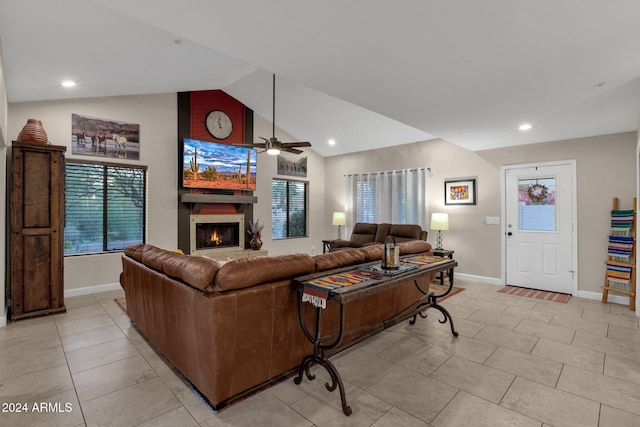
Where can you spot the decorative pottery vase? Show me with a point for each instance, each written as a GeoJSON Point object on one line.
{"type": "Point", "coordinates": [255, 242]}
{"type": "Point", "coordinates": [33, 131]}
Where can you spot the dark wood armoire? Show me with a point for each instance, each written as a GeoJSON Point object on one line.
{"type": "Point", "coordinates": [37, 229]}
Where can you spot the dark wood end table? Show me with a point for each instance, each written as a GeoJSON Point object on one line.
{"type": "Point", "coordinates": [445, 253]}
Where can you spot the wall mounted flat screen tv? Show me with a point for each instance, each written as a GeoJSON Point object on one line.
{"type": "Point", "coordinates": [218, 166]}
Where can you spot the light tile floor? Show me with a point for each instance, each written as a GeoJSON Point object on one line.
{"type": "Point", "coordinates": [517, 362]}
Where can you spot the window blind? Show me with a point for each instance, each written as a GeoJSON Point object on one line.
{"type": "Point", "coordinates": [289, 208]}
{"type": "Point", "coordinates": [104, 207]}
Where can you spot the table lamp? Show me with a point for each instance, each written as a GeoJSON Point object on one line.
{"type": "Point", "coordinates": [439, 222]}
{"type": "Point", "coordinates": [339, 219]}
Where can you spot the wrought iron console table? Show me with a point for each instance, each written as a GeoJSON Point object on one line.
{"type": "Point", "coordinates": [325, 346]}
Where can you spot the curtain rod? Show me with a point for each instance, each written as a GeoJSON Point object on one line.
{"type": "Point", "coordinates": [385, 172]}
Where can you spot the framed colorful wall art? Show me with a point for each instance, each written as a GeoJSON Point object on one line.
{"type": "Point", "coordinates": [460, 192]}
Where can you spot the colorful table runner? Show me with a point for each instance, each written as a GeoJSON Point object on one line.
{"type": "Point", "coordinates": [317, 290]}
{"type": "Point", "coordinates": [424, 259]}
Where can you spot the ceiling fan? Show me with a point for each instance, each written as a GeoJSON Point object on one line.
{"type": "Point", "coordinates": [272, 145]}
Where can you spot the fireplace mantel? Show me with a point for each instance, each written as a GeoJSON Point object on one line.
{"type": "Point", "coordinates": [198, 199]}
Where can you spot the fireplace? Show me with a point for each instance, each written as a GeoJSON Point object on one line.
{"type": "Point", "coordinates": [216, 234]}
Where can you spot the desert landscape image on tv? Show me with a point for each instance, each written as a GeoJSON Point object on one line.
{"type": "Point", "coordinates": [218, 166]}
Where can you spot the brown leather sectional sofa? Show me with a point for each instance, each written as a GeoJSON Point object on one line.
{"type": "Point", "coordinates": [365, 233]}
{"type": "Point", "coordinates": [231, 328]}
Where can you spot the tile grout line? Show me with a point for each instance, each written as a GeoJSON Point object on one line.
{"type": "Point", "coordinates": [75, 389]}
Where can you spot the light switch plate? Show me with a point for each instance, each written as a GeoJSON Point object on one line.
{"type": "Point", "coordinates": [492, 220]}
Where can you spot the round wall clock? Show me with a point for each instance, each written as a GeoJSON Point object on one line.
{"type": "Point", "coordinates": [219, 124]}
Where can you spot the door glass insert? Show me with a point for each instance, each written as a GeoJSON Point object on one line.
{"type": "Point", "coordinates": [537, 204]}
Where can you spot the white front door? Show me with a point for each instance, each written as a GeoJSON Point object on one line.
{"type": "Point", "coordinates": [540, 233]}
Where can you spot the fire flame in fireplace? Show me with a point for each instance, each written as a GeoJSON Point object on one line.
{"type": "Point", "coordinates": [215, 238]}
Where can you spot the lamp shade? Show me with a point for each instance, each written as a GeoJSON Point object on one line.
{"type": "Point", "coordinates": [439, 221]}
{"type": "Point", "coordinates": [339, 218]}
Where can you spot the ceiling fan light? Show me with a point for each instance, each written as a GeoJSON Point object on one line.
{"type": "Point", "coordinates": [273, 151]}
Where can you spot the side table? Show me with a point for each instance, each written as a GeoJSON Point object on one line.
{"type": "Point", "coordinates": [326, 246]}
{"type": "Point", "coordinates": [445, 253]}
{"type": "Point", "coordinates": [331, 342]}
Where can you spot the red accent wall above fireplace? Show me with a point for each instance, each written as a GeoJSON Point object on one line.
{"type": "Point", "coordinates": [205, 101]}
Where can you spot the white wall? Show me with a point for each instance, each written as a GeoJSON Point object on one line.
{"type": "Point", "coordinates": [157, 116]}
{"type": "Point", "coordinates": [605, 169]}
{"type": "Point", "coordinates": [468, 236]}
{"type": "Point", "coordinates": [267, 169]}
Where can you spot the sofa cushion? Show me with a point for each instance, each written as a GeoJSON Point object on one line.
{"type": "Point", "coordinates": [338, 259]}
{"type": "Point", "coordinates": [382, 232]}
{"type": "Point", "coordinates": [198, 272]}
{"type": "Point", "coordinates": [372, 252]}
{"type": "Point", "coordinates": [363, 233]}
{"type": "Point", "coordinates": [155, 257]}
{"type": "Point", "coordinates": [404, 232]}
{"type": "Point", "coordinates": [246, 272]}
{"type": "Point", "coordinates": [414, 247]}
{"type": "Point", "coordinates": [136, 251]}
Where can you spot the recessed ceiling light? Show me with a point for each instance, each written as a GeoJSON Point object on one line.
{"type": "Point", "coordinates": [332, 142]}
{"type": "Point", "coordinates": [68, 83]}
{"type": "Point", "coordinates": [524, 126]}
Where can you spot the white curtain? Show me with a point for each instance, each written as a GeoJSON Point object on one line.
{"type": "Point", "coordinates": [396, 197]}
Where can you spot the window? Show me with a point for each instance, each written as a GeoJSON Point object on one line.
{"type": "Point", "coordinates": [396, 197]}
{"type": "Point", "coordinates": [105, 206]}
{"type": "Point", "coordinates": [537, 204]}
{"type": "Point", "coordinates": [289, 208]}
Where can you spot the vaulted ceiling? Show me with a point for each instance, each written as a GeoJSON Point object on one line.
{"type": "Point", "coordinates": [367, 73]}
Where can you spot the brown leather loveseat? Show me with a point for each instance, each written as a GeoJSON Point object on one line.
{"type": "Point", "coordinates": [234, 327]}
{"type": "Point", "coordinates": [365, 234]}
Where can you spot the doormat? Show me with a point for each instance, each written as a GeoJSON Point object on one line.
{"type": "Point", "coordinates": [122, 303]}
{"type": "Point", "coordinates": [534, 293]}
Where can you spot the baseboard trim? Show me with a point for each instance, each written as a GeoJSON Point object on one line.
{"type": "Point", "coordinates": [596, 296]}
{"type": "Point", "coordinates": [89, 290]}
{"type": "Point", "coordinates": [92, 290]}
{"type": "Point", "coordinates": [618, 299]}
{"type": "Point", "coordinates": [481, 279]}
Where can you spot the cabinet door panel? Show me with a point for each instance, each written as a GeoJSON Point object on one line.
{"type": "Point", "coordinates": [37, 272]}
{"type": "Point", "coordinates": [37, 190]}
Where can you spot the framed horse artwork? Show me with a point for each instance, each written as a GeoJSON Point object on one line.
{"type": "Point", "coordinates": [93, 136]}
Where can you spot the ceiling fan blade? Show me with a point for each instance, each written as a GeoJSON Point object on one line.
{"type": "Point", "coordinates": [291, 150]}
{"type": "Point", "coordinates": [261, 137]}
{"type": "Point", "coordinates": [297, 144]}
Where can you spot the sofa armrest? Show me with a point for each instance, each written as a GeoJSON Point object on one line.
{"type": "Point", "coordinates": [340, 243]}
